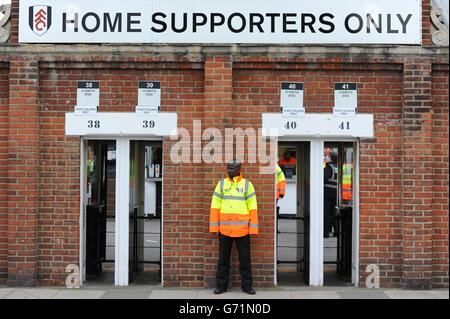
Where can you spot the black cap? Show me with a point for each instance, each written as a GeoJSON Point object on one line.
{"type": "Point", "coordinates": [234, 162]}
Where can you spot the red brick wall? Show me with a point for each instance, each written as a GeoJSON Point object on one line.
{"type": "Point", "coordinates": [22, 170]}
{"type": "Point", "coordinates": [403, 169]}
{"type": "Point", "coordinates": [426, 22]}
{"type": "Point", "coordinates": [380, 176]}
{"type": "Point", "coordinates": [59, 166]}
{"type": "Point", "coordinates": [4, 104]}
{"type": "Point", "coordinates": [417, 174]}
{"type": "Point", "coordinates": [58, 230]}
{"type": "Point", "coordinates": [380, 189]}
{"type": "Point", "coordinates": [440, 178]}
{"type": "Point", "coordinates": [233, 94]}
{"type": "Point", "coordinates": [256, 90]}
{"type": "Point", "coordinates": [226, 112]}
{"type": "Point", "coordinates": [14, 35]}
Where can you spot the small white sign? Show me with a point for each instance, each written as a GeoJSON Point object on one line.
{"type": "Point", "coordinates": [291, 99]}
{"type": "Point", "coordinates": [111, 155]}
{"type": "Point", "coordinates": [149, 93]}
{"type": "Point", "coordinates": [293, 112]}
{"type": "Point", "coordinates": [88, 97]}
{"type": "Point", "coordinates": [345, 99]}
{"type": "Point", "coordinates": [86, 110]}
{"type": "Point", "coordinates": [143, 109]}
{"type": "Point", "coordinates": [88, 93]}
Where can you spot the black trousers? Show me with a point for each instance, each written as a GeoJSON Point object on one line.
{"type": "Point", "coordinates": [245, 267]}
{"type": "Point", "coordinates": [330, 220]}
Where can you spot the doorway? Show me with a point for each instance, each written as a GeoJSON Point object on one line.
{"type": "Point", "coordinates": [100, 210]}
{"type": "Point", "coordinates": [104, 197]}
{"type": "Point", "coordinates": [315, 228]}
{"type": "Point", "coordinates": [292, 227]}
{"type": "Point", "coordinates": [338, 189]}
{"type": "Point", "coordinates": [145, 211]}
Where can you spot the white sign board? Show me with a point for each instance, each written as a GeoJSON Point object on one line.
{"type": "Point", "coordinates": [88, 97]}
{"type": "Point", "coordinates": [232, 21]}
{"type": "Point", "coordinates": [121, 124]}
{"type": "Point", "coordinates": [149, 93]}
{"type": "Point", "coordinates": [345, 99]}
{"type": "Point", "coordinates": [318, 125]}
{"type": "Point", "coordinates": [291, 99]}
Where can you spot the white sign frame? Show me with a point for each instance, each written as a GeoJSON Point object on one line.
{"type": "Point", "coordinates": [345, 99]}
{"type": "Point", "coordinates": [318, 125]}
{"type": "Point", "coordinates": [291, 99]}
{"type": "Point", "coordinates": [149, 93]}
{"type": "Point", "coordinates": [256, 21]}
{"type": "Point", "coordinates": [88, 94]}
{"type": "Point", "coordinates": [121, 124]}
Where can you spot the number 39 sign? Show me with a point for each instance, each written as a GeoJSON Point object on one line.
{"type": "Point", "coordinates": [149, 93]}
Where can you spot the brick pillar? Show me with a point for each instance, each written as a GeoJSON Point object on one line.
{"type": "Point", "coordinates": [426, 22]}
{"type": "Point", "coordinates": [14, 34]}
{"type": "Point", "coordinates": [4, 105]}
{"type": "Point", "coordinates": [417, 175]}
{"type": "Point", "coordinates": [218, 114]}
{"type": "Point", "coordinates": [22, 171]}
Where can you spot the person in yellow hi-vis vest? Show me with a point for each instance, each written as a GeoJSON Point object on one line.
{"type": "Point", "coordinates": [234, 215]}
{"type": "Point", "coordinates": [281, 183]}
{"type": "Point", "coordinates": [347, 181]}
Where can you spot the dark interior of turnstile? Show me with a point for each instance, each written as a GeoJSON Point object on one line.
{"type": "Point", "coordinates": [338, 212]}
{"type": "Point", "coordinates": [293, 218]}
{"type": "Point", "coordinates": [144, 208]}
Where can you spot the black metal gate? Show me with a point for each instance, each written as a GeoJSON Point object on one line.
{"type": "Point", "coordinates": [137, 241]}
{"type": "Point", "coordinates": [302, 261]}
{"type": "Point", "coordinates": [95, 240]}
{"type": "Point", "coordinates": [344, 243]}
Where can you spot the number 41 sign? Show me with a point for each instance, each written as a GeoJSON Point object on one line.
{"type": "Point", "coordinates": [345, 99]}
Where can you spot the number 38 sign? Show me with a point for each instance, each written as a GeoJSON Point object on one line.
{"type": "Point", "coordinates": [88, 93]}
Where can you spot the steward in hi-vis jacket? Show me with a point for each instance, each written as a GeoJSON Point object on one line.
{"type": "Point", "coordinates": [234, 214]}
{"type": "Point", "coordinates": [281, 183]}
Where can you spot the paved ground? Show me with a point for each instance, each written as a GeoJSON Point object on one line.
{"type": "Point", "coordinates": [158, 292]}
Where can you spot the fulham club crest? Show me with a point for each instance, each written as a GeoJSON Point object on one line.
{"type": "Point", "coordinates": [40, 19]}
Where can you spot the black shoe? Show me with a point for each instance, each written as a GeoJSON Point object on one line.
{"type": "Point", "coordinates": [218, 291]}
{"type": "Point", "coordinates": [249, 291]}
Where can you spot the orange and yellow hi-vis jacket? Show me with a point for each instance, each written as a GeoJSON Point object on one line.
{"type": "Point", "coordinates": [281, 183]}
{"type": "Point", "coordinates": [234, 210]}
